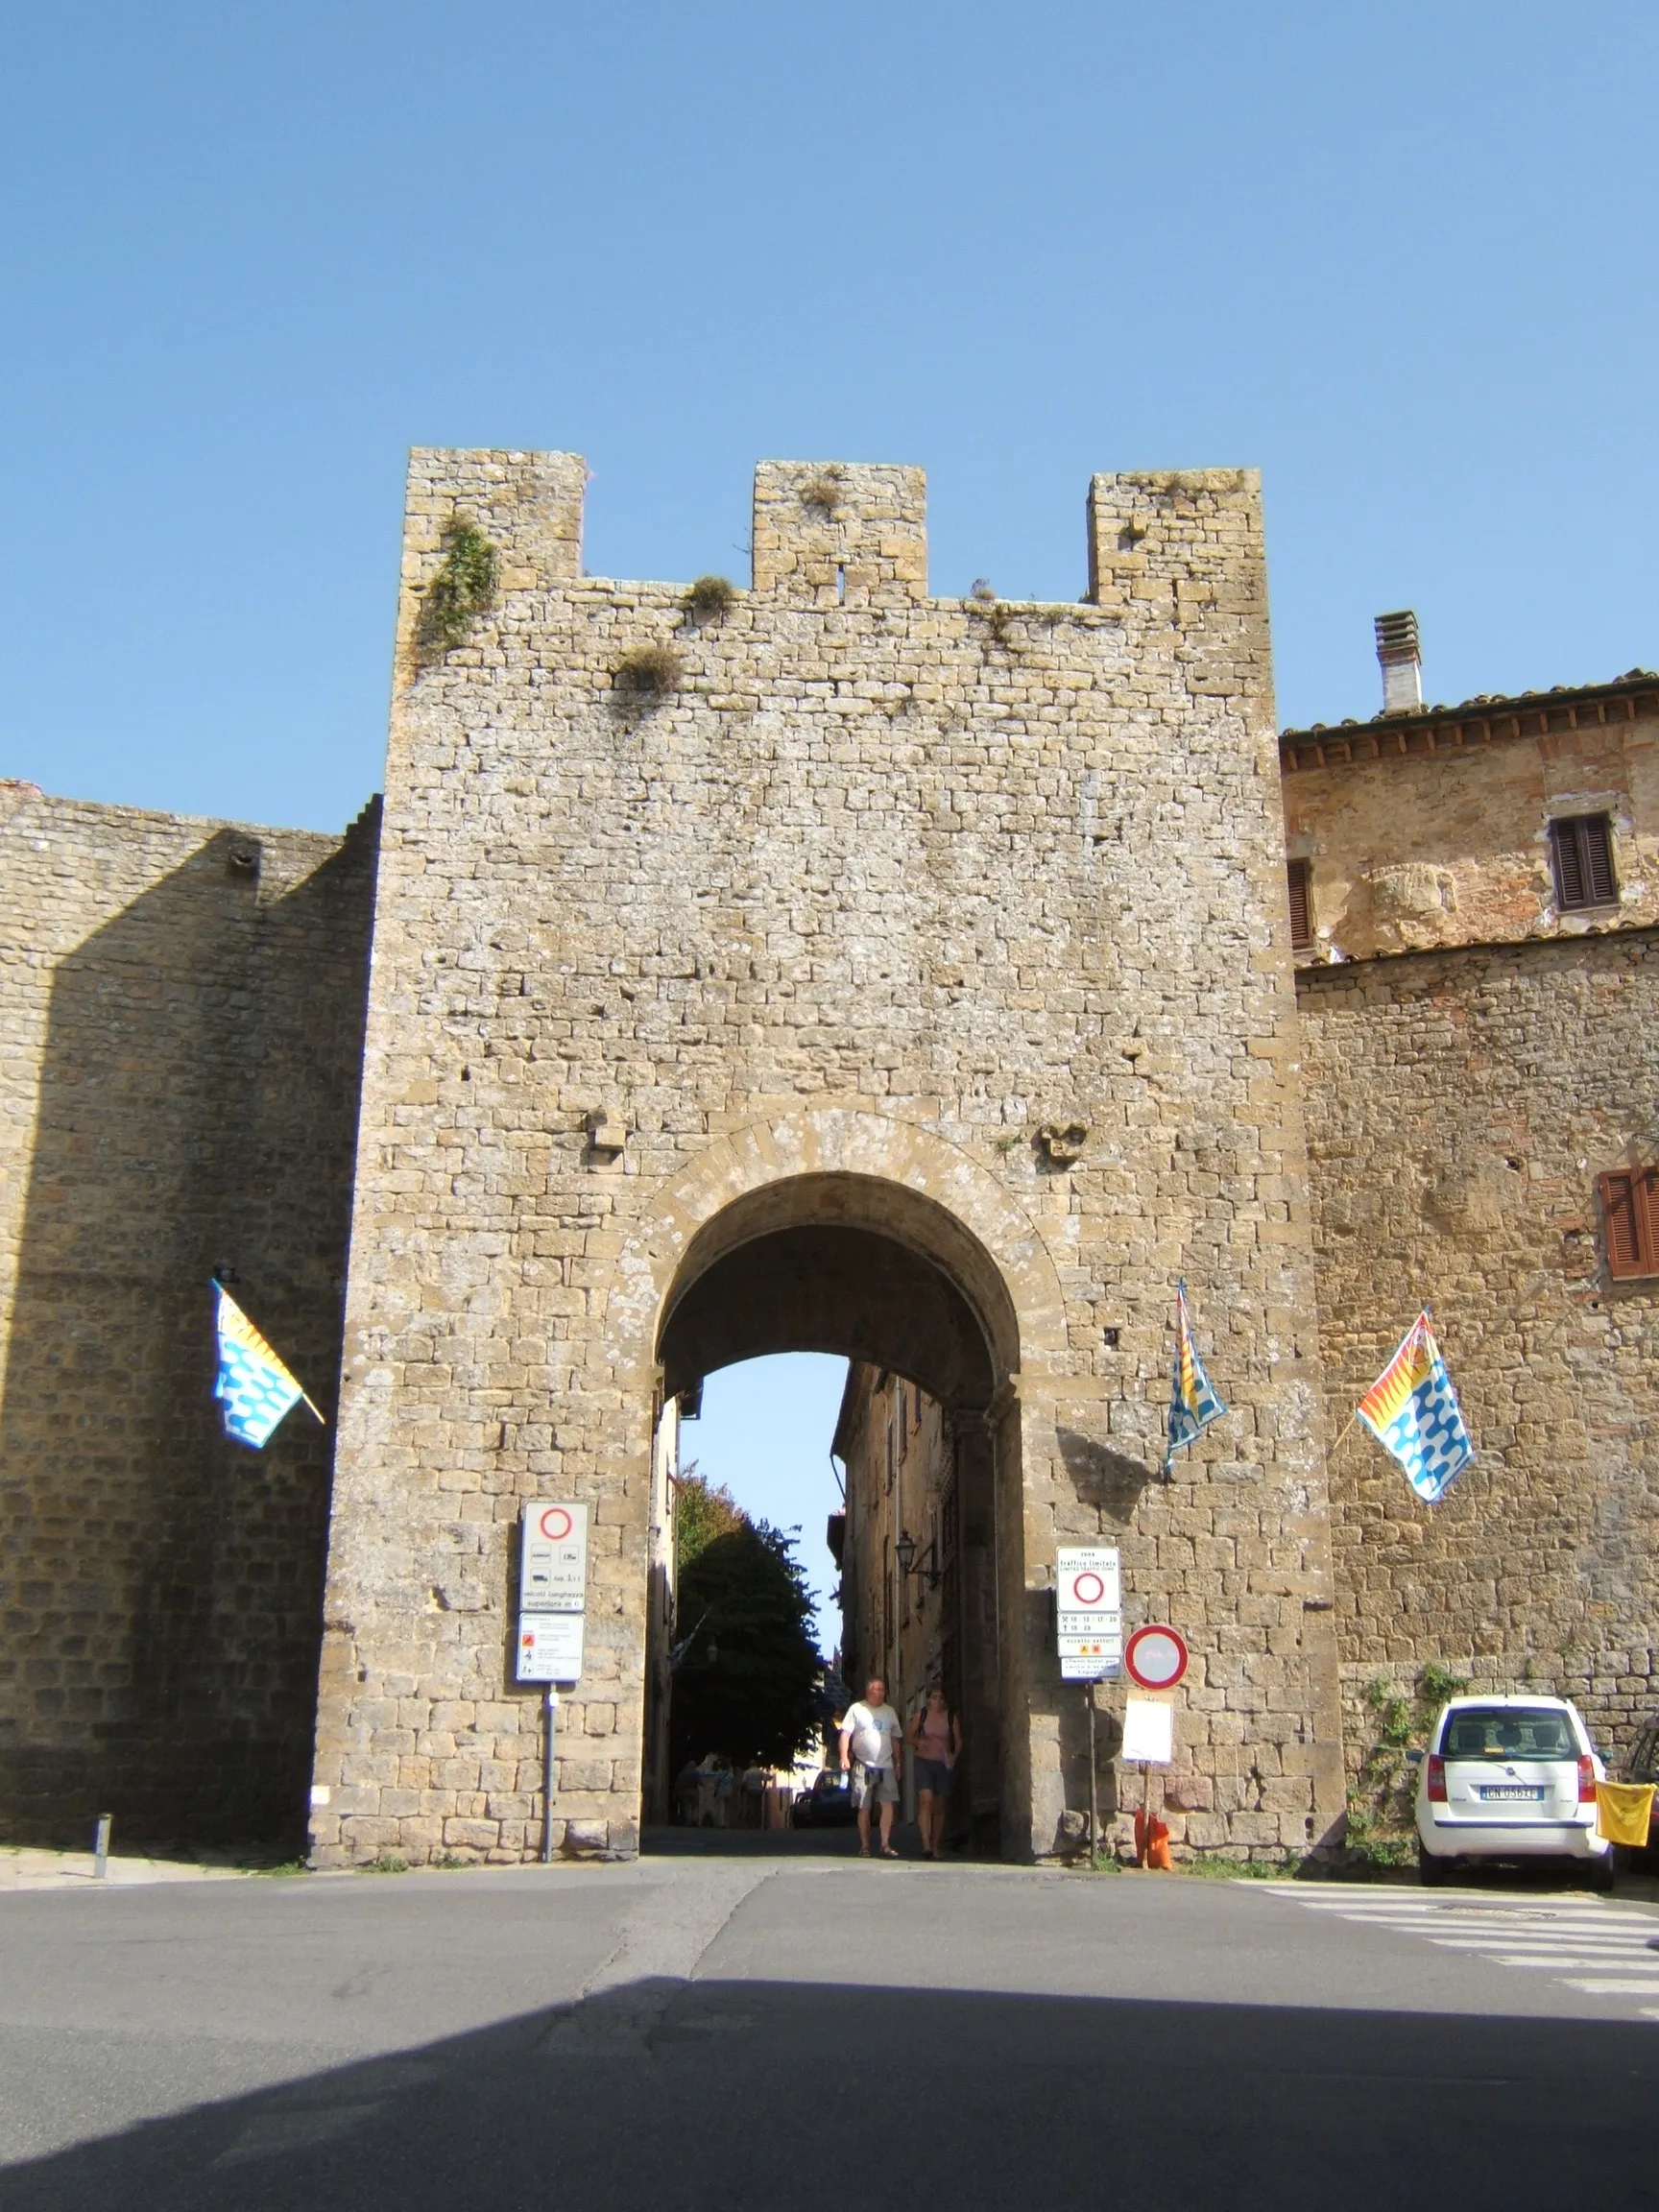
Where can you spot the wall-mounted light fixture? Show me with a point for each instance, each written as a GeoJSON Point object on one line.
{"type": "Point", "coordinates": [904, 1551]}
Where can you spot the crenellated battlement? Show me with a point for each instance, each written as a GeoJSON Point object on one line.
{"type": "Point", "coordinates": [854, 533]}
{"type": "Point", "coordinates": [829, 533]}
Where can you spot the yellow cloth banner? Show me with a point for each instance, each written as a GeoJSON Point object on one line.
{"type": "Point", "coordinates": [1622, 1811]}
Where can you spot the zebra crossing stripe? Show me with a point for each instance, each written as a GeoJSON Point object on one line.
{"type": "Point", "coordinates": [1597, 1950]}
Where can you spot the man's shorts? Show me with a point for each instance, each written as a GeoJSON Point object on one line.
{"type": "Point", "coordinates": [873, 1786]}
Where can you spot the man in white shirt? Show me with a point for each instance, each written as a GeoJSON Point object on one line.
{"type": "Point", "coordinates": [873, 1745]}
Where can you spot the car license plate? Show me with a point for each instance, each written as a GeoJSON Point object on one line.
{"type": "Point", "coordinates": [1512, 1793]}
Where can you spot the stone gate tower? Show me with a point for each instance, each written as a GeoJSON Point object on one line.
{"type": "Point", "coordinates": [834, 967]}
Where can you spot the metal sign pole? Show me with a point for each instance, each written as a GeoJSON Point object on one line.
{"type": "Point", "coordinates": [1093, 1783]}
{"type": "Point", "coordinates": [1146, 1800]}
{"type": "Point", "coordinates": [548, 1778]}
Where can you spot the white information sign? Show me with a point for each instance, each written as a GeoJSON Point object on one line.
{"type": "Point", "coordinates": [1089, 1589]}
{"type": "Point", "coordinates": [553, 1559]}
{"type": "Point", "coordinates": [1087, 1581]}
{"type": "Point", "coordinates": [1148, 1732]}
{"type": "Point", "coordinates": [1088, 1622]}
{"type": "Point", "coordinates": [551, 1647]}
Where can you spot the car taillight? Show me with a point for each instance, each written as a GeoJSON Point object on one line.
{"type": "Point", "coordinates": [1586, 1781]}
{"type": "Point", "coordinates": [1436, 1783]}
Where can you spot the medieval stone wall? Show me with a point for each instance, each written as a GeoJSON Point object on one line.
{"type": "Point", "coordinates": [846, 883]}
{"type": "Point", "coordinates": [181, 1031]}
{"type": "Point", "coordinates": [1460, 1106]}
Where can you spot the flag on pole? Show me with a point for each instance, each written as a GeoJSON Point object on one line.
{"type": "Point", "coordinates": [256, 1388]}
{"type": "Point", "coordinates": [1192, 1400]}
{"type": "Point", "coordinates": [1412, 1411]}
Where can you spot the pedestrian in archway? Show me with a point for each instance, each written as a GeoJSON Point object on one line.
{"type": "Point", "coordinates": [872, 1740]}
{"type": "Point", "coordinates": [686, 1784]}
{"type": "Point", "coordinates": [935, 1736]}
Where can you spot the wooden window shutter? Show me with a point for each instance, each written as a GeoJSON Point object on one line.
{"type": "Point", "coordinates": [1598, 859]}
{"type": "Point", "coordinates": [1301, 877]}
{"type": "Point", "coordinates": [1569, 867]}
{"type": "Point", "coordinates": [1631, 1210]}
{"type": "Point", "coordinates": [1582, 857]}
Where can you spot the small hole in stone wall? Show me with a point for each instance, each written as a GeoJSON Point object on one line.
{"type": "Point", "coordinates": [1109, 1337]}
{"type": "Point", "coordinates": [465, 1074]}
{"type": "Point", "coordinates": [840, 584]}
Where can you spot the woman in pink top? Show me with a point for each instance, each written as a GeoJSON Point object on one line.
{"type": "Point", "coordinates": [936, 1739]}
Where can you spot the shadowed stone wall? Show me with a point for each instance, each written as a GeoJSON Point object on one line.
{"type": "Point", "coordinates": [182, 1010]}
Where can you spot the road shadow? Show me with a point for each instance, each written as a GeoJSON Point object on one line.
{"type": "Point", "coordinates": [735, 2094]}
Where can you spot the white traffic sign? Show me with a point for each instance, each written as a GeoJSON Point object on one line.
{"type": "Point", "coordinates": [553, 1559]}
{"type": "Point", "coordinates": [1087, 1579]}
{"type": "Point", "coordinates": [1156, 1657]}
{"type": "Point", "coordinates": [1084, 1667]}
{"type": "Point", "coordinates": [1148, 1733]}
{"type": "Point", "coordinates": [551, 1647]}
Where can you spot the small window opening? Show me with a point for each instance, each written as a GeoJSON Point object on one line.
{"type": "Point", "coordinates": [840, 583]}
{"type": "Point", "coordinates": [1582, 860]}
{"type": "Point", "coordinates": [1301, 880]}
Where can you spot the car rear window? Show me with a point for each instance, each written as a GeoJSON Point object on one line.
{"type": "Point", "coordinates": [1509, 1732]}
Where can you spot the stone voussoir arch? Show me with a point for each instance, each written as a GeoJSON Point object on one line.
{"type": "Point", "coordinates": [876, 1161]}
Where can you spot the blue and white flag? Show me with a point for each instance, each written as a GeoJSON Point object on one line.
{"type": "Point", "coordinates": [1193, 1403]}
{"type": "Point", "coordinates": [255, 1387]}
{"type": "Point", "coordinates": [1412, 1411]}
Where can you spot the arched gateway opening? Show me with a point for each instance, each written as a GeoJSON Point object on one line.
{"type": "Point", "coordinates": [890, 1278]}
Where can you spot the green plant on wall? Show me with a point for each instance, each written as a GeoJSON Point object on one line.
{"type": "Point", "coordinates": [822, 493]}
{"type": "Point", "coordinates": [985, 606]}
{"type": "Point", "coordinates": [648, 672]}
{"type": "Point", "coordinates": [1379, 1828]}
{"type": "Point", "coordinates": [710, 598]}
{"type": "Point", "coordinates": [463, 588]}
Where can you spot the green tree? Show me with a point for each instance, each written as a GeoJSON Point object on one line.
{"type": "Point", "coordinates": [702, 1511]}
{"type": "Point", "coordinates": [743, 1594]}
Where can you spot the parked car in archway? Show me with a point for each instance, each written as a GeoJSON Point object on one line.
{"type": "Point", "coordinates": [827, 1804]}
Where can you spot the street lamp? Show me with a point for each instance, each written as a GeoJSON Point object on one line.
{"type": "Point", "coordinates": [904, 1551]}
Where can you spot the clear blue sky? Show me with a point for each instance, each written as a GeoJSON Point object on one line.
{"type": "Point", "coordinates": [1405, 263]}
{"type": "Point", "coordinates": [764, 1434]}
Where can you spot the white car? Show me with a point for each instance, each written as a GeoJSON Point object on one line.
{"type": "Point", "coordinates": [1510, 1778]}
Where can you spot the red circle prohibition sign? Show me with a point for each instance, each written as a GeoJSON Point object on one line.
{"type": "Point", "coordinates": [1088, 1597]}
{"type": "Point", "coordinates": [555, 1522]}
{"type": "Point", "coordinates": [1155, 1657]}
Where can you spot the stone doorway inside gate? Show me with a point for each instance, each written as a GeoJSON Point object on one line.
{"type": "Point", "coordinates": [891, 1281]}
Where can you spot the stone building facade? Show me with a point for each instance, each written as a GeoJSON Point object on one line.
{"type": "Point", "coordinates": [931, 1615]}
{"type": "Point", "coordinates": [1478, 1056]}
{"type": "Point", "coordinates": [827, 966]}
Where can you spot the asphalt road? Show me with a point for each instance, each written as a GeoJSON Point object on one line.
{"type": "Point", "coordinates": [802, 2031]}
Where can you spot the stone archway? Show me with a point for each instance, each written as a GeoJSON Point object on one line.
{"type": "Point", "coordinates": [855, 1233]}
